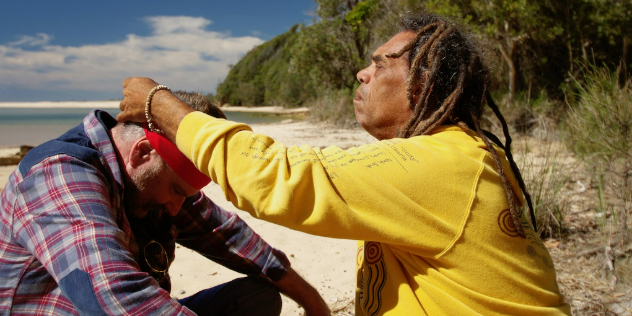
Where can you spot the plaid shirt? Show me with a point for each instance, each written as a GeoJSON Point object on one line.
{"type": "Point", "coordinates": [66, 246]}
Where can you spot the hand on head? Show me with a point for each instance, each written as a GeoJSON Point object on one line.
{"type": "Point", "coordinates": [135, 92]}
{"type": "Point", "coordinates": [166, 110]}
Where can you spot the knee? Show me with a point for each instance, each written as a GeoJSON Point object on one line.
{"type": "Point", "coordinates": [266, 293]}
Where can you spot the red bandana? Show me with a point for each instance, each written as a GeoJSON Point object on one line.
{"type": "Point", "coordinates": [177, 160]}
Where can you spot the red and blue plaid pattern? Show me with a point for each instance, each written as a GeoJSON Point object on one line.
{"type": "Point", "coordinates": [65, 216]}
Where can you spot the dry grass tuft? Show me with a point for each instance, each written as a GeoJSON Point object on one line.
{"type": "Point", "coordinates": [546, 168]}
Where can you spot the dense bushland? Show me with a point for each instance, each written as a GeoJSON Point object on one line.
{"type": "Point", "coordinates": [533, 45]}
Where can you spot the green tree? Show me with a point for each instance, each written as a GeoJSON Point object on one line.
{"type": "Point", "coordinates": [263, 76]}
{"type": "Point", "coordinates": [598, 30]}
{"type": "Point", "coordinates": [332, 50]}
{"type": "Point", "coordinates": [508, 23]}
{"type": "Point", "coordinates": [539, 41]}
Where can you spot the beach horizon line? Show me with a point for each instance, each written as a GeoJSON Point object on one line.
{"type": "Point", "coordinates": [62, 104]}
{"type": "Point", "coordinates": [114, 104]}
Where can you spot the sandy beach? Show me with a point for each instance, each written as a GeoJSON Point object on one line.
{"type": "Point", "coordinates": [328, 264]}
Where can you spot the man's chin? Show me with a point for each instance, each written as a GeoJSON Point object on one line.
{"type": "Point", "coordinates": [138, 213]}
{"type": "Point", "coordinates": [154, 211]}
{"type": "Point", "coordinates": [359, 117]}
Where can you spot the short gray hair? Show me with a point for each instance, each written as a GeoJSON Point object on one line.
{"type": "Point", "coordinates": [131, 131]}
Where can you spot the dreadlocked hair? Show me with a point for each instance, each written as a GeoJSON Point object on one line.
{"type": "Point", "coordinates": [448, 84]}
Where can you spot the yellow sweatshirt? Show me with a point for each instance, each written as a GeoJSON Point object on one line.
{"type": "Point", "coordinates": [430, 211]}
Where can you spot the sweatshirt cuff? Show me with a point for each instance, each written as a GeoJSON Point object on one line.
{"type": "Point", "coordinates": [190, 125]}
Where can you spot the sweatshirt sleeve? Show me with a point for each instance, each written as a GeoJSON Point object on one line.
{"type": "Point", "coordinates": [385, 192]}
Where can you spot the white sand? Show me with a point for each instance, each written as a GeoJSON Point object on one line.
{"type": "Point", "coordinates": [328, 264]}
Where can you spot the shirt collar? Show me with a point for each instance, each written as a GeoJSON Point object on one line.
{"type": "Point", "coordinates": [97, 126]}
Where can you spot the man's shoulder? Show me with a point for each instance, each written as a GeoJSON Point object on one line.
{"type": "Point", "coordinates": [453, 136]}
{"type": "Point", "coordinates": [73, 143]}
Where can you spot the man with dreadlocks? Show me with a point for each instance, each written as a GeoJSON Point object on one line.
{"type": "Point", "coordinates": [435, 202]}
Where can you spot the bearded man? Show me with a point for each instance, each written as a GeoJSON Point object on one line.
{"type": "Point", "coordinates": [90, 221]}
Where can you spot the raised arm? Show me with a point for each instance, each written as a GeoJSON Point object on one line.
{"type": "Point", "coordinates": [326, 192]}
{"type": "Point", "coordinates": [167, 111]}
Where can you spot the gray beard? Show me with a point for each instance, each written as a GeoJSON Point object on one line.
{"type": "Point", "coordinates": [138, 185]}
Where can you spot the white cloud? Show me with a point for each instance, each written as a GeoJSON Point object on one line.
{"type": "Point", "coordinates": [40, 40]}
{"type": "Point", "coordinates": [177, 24]}
{"type": "Point", "coordinates": [180, 53]}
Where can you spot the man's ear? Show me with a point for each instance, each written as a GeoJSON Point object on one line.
{"type": "Point", "coordinates": [141, 152]}
{"type": "Point", "coordinates": [420, 86]}
{"type": "Point", "coordinates": [417, 93]}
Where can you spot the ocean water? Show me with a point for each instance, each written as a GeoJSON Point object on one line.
{"type": "Point", "coordinates": [33, 126]}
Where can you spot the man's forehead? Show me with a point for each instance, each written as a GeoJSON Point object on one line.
{"type": "Point", "coordinates": [394, 45]}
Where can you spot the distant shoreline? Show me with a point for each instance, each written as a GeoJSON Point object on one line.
{"type": "Point", "coordinates": [62, 104]}
{"type": "Point", "coordinates": [115, 105]}
{"type": "Point", "coordinates": [32, 123]}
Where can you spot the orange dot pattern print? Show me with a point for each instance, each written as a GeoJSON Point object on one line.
{"type": "Point", "coordinates": [371, 277]}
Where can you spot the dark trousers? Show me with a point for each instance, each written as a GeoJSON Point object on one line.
{"type": "Point", "coordinates": [244, 296]}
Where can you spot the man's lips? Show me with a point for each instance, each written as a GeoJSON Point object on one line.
{"type": "Point", "coordinates": [358, 96]}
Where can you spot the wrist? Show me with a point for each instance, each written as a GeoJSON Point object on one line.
{"type": "Point", "coordinates": [168, 111]}
{"type": "Point", "coordinates": [148, 116]}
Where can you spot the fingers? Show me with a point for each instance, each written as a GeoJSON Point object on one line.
{"type": "Point", "coordinates": [129, 112]}
{"type": "Point", "coordinates": [139, 81]}
{"type": "Point", "coordinates": [122, 117]}
{"type": "Point", "coordinates": [135, 90]}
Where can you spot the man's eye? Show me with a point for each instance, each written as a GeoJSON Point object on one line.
{"type": "Point", "coordinates": [175, 191]}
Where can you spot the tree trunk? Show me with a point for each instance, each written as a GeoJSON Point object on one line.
{"type": "Point", "coordinates": [623, 63]}
{"type": "Point", "coordinates": [507, 53]}
{"type": "Point", "coordinates": [569, 44]}
{"type": "Point", "coordinates": [626, 50]}
{"type": "Point", "coordinates": [512, 80]}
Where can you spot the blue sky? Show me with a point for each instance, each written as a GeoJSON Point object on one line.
{"type": "Point", "coordinates": [66, 50]}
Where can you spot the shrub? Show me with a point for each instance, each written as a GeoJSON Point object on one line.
{"type": "Point", "coordinates": [599, 130]}
{"type": "Point", "coordinates": [546, 171]}
{"type": "Point", "coordinates": [335, 108]}
{"type": "Point", "coordinates": [527, 116]}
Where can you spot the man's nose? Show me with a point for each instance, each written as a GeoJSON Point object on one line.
{"type": "Point", "coordinates": [363, 75]}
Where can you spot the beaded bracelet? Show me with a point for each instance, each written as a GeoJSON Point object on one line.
{"type": "Point", "coordinates": [153, 91]}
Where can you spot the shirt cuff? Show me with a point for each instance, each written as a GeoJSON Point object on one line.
{"type": "Point", "coordinates": [276, 266]}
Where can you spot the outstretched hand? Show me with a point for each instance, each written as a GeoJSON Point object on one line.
{"type": "Point", "coordinates": [295, 287]}
{"type": "Point", "coordinates": [135, 92]}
